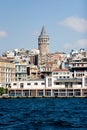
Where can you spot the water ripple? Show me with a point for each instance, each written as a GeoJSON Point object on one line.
{"type": "Point", "coordinates": [43, 114]}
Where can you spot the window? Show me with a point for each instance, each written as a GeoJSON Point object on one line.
{"type": "Point", "coordinates": [74, 64]}
{"type": "Point", "coordinates": [66, 84]}
{"type": "Point", "coordinates": [43, 83]}
{"type": "Point", "coordinates": [85, 81]}
{"type": "Point", "coordinates": [56, 83]}
{"type": "Point", "coordinates": [70, 85]}
{"type": "Point", "coordinates": [55, 73]}
{"type": "Point", "coordinates": [21, 85]}
{"type": "Point", "coordinates": [48, 93]}
{"type": "Point", "coordinates": [40, 93]}
{"type": "Point", "coordinates": [49, 82]}
{"type": "Point", "coordinates": [14, 84]}
{"type": "Point", "coordinates": [28, 83]}
{"type": "Point", "coordinates": [35, 83]}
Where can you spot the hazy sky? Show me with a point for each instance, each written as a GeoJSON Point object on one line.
{"type": "Point", "coordinates": [65, 22]}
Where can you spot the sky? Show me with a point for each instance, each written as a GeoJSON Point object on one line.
{"type": "Point", "coordinates": [65, 22]}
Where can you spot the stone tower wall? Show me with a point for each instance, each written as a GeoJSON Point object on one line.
{"type": "Point", "coordinates": [43, 43]}
{"type": "Point", "coordinates": [43, 49]}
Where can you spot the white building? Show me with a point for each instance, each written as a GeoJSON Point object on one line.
{"type": "Point", "coordinates": [61, 73]}
{"type": "Point", "coordinates": [49, 87]}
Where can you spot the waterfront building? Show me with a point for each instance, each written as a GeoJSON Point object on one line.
{"type": "Point", "coordinates": [7, 72]}
{"type": "Point", "coordinates": [49, 87]}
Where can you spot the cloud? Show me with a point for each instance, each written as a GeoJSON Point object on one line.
{"type": "Point", "coordinates": [3, 33]}
{"type": "Point", "coordinates": [81, 43]}
{"type": "Point", "coordinates": [77, 24]}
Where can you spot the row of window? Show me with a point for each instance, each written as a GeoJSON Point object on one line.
{"type": "Point", "coordinates": [62, 77]}
{"type": "Point", "coordinates": [79, 64]}
{"type": "Point", "coordinates": [22, 84]}
{"type": "Point", "coordinates": [47, 69]}
{"type": "Point", "coordinates": [21, 71]}
{"type": "Point", "coordinates": [21, 75]}
{"type": "Point", "coordinates": [79, 75]}
{"type": "Point", "coordinates": [44, 40]}
{"type": "Point", "coordinates": [56, 73]}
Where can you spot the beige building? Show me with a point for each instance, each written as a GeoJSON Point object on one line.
{"type": "Point", "coordinates": [32, 72]}
{"type": "Point", "coordinates": [7, 72]}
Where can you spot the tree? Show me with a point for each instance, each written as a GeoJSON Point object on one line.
{"type": "Point", "coordinates": [3, 91]}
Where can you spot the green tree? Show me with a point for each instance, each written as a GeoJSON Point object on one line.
{"type": "Point", "coordinates": [3, 91]}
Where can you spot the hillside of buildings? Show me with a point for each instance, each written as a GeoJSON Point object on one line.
{"type": "Point", "coordinates": [23, 65]}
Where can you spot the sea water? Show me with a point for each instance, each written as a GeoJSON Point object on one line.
{"type": "Point", "coordinates": [43, 114]}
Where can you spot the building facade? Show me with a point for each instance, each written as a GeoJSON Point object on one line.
{"type": "Point", "coordinates": [49, 87]}
{"type": "Point", "coordinates": [21, 71]}
{"type": "Point", "coordinates": [79, 67]}
{"type": "Point", "coordinates": [7, 72]}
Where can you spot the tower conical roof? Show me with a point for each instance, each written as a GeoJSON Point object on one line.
{"type": "Point", "coordinates": [43, 32]}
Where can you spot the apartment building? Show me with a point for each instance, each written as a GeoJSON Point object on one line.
{"type": "Point", "coordinates": [62, 73]}
{"type": "Point", "coordinates": [7, 72]}
{"type": "Point", "coordinates": [79, 67]}
{"type": "Point", "coordinates": [21, 71]}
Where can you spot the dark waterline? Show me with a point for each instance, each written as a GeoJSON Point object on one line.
{"type": "Point", "coordinates": [43, 114]}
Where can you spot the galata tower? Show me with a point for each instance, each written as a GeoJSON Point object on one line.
{"type": "Point", "coordinates": [43, 42]}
